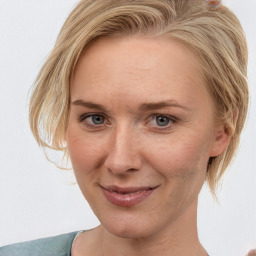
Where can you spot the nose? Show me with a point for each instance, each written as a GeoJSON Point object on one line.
{"type": "Point", "coordinates": [123, 154]}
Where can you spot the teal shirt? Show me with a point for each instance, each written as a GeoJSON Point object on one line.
{"type": "Point", "coordinates": [51, 246]}
{"type": "Point", "coordinates": [60, 245]}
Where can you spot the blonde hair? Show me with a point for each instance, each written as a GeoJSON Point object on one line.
{"type": "Point", "coordinates": [213, 34]}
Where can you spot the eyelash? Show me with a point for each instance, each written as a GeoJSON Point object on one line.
{"type": "Point", "coordinates": [171, 120]}
{"type": "Point", "coordinates": [83, 117]}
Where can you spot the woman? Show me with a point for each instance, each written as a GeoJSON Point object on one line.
{"type": "Point", "coordinates": [148, 99]}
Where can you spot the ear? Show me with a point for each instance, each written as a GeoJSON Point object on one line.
{"type": "Point", "coordinates": [221, 140]}
{"type": "Point", "coordinates": [223, 135]}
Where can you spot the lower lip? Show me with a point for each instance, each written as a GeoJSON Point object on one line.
{"type": "Point", "coordinates": [127, 200]}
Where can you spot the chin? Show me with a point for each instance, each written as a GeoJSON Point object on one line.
{"type": "Point", "coordinates": [131, 226]}
{"type": "Point", "coordinates": [128, 232]}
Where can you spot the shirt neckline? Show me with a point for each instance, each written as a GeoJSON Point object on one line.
{"type": "Point", "coordinates": [78, 233]}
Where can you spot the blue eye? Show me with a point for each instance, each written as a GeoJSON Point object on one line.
{"type": "Point", "coordinates": [162, 120]}
{"type": "Point", "coordinates": [92, 119]}
{"type": "Point", "coordinates": [96, 119]}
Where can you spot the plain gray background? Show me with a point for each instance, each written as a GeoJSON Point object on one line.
{"type": "Point", "coordinates": [35, 198]}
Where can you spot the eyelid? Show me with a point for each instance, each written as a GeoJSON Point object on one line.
{"type": "Point", "coordinates": [82, 117]}
{"type": "Point", "coordinates": [171, 118]}
{"type": "Point", "coordinates": [88, 125]}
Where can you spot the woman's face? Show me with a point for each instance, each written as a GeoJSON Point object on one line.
{"type": "Point", "coordinates": [140, 133]}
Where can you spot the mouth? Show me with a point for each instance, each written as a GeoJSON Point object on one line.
{"type": "Point", "coordinates": [127, 196]}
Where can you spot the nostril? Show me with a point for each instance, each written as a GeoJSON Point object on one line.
{"type": "Point", "coordinates": [120, 162]}
{"type": "Point", "coordinates": [120, 169]}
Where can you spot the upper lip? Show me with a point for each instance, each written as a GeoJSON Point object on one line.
{"type": "Point", "coordinates": [125, 190]}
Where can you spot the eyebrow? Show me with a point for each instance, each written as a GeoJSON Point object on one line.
{"type": "Point", "coordinates": [89, 104]}
{"type": "Point", "coordinates": [161, 104]}
{"type": "Point", "coordinates": [142, 107]}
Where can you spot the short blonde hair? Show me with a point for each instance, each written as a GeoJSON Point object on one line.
{"type": "Point", "coordinates": [214, 34]}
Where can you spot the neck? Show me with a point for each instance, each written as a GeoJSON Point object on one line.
{"type": "Point", "coordinates": [178, 238]}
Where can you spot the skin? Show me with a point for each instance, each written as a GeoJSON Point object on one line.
{"type": "Point", "coordinates": [252, 252]}
{"type": "Point", "coordinates": [129, 146]}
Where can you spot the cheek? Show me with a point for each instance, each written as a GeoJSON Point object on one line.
{"type": "Point", "coordinates": [184, 157]}
{"type": "Point", "coordinates": [182, 165]}
{"type": "Point", "coordinates": [84, 157]}
{"type": "Point", "coordinates": [82, 153]}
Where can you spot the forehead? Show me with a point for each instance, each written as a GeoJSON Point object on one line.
{"type": "Point", "coordinates": [124, 66]}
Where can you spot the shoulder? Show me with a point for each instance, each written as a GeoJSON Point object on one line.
{"type": "Point", "coordinates": [50, 246]}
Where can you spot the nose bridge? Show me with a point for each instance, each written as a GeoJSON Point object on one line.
{"type": "Point", "coordinates": [120, 136]}
{"type": "Point", "coordinates": [123, 152]}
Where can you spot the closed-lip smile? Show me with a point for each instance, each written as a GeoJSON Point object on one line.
{"type": "Point", "coordinates": [127, 196]}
